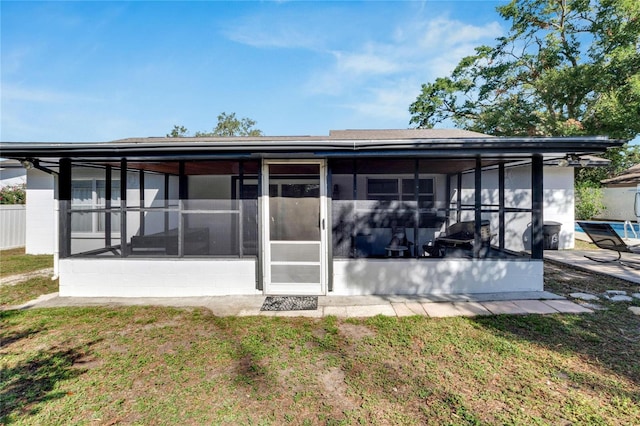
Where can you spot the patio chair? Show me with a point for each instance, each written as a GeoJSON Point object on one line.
{"type": "Point", "coordinates": [605, 237]}
{"type": "Point", "coordinates": [399, 246]}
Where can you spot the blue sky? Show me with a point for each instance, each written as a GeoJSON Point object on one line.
{"type": "Point", "coordinates": [99, 71]}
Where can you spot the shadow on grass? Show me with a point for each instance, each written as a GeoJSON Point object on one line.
{"type": "Point", "coordinates": [31, 381]}
{"type": "Point", "coordinates": [8, 340]}
{"type": "Point", "coordinates": [609, 338]}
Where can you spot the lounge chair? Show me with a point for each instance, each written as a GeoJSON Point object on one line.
{"type": "Point", "coordinates": [605, 237]}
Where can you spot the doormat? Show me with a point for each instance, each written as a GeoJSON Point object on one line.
{"type": "Point", "coordinates": [290, 303]}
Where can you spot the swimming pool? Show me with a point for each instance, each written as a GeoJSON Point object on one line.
{"type": "Point", "coordinates": [617, 226]}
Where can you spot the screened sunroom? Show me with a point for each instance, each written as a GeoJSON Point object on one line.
{"type": "Point", "coordinates": [358, 212]}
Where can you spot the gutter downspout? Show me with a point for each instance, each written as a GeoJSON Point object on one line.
{"type": "Point", "coordinates": [56, 229]}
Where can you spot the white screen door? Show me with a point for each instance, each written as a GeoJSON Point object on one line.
{"type": "Point", "coordinates": [294, 227]}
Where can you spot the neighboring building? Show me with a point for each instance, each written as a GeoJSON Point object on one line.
{"type": "Point", "coordinates": [620, 196]}
{"type": "Point", "coordinates": [357, 212]}
{"type": "Point", "coordinates": [12, 173]}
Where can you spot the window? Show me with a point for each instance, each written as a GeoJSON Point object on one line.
{"type": "Point", "coordinates": [425, 192]}
{"type": "Point", "coordinates": [382, 189]}
{"type": "Point", "coordinates": [387, 190]}
{"type": "Point", "coordinates": [89, 194]}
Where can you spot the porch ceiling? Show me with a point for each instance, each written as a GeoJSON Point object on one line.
{"type": "Point", "coordinates": [154, 149]}
{"type": "Point", "coordinates": [374, 165]}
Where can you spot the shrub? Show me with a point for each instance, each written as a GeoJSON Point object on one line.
{"type": "Point", "coordinates": [588, 200]}
{"type": "Point", "coordinates": [13, 194]}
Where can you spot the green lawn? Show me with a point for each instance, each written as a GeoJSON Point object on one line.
{"type": "Point", "coordinates": [26, 290]}
{"type": "Point", "coordinates": [14, 261]}
{"type": "Point", "coordinates": [152, 365]}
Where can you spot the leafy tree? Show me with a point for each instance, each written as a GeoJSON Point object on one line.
{"type": "Point", "coordinates": [228, 125]}
{"type": "Point", "coordinates": [566, 67]}
{"type": "Point", "coordinates": [588, 200]}
{"type": "Point", "coordinates": [178, 132]}
{"type": "Point", "coordinates": [620, 160]}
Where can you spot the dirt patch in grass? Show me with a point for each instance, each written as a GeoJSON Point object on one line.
{"type": "Point", "coordinates": [355, 332]}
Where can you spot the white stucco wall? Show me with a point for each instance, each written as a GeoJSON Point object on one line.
{"type": "Point", "coordinates": [619, 202]}
{"type": "Point", "coordinates": [216, 277]}
{"type": "Point", "coordinates": [558, 203]}
{"type": "Point", "coordinates": [41, 219]}
{"type": "Point", "coordinates": [157, 277]}
{"type": "Point", "coordinates": [435, 276]}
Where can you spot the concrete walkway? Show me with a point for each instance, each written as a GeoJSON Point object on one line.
{"type": "Point", "coordinates": [366, 306]}
{"type": "Point", "coordinates": [347, 306]}
{"type": "Point", "coordinates": [576, 259]}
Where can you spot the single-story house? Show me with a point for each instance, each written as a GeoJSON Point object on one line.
{"type": "Point", "coordinates": [356, 212]}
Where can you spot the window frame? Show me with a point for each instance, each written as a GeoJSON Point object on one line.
{"type": "Point", "coordinates": [96, 207]}
{"type": "Point", "coordinates": [400, 195]}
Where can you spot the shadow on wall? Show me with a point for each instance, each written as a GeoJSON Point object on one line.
{"type": "Point", "coordinates": [367, 231]}
{"type": "Point", "coordinates": [435, 276]}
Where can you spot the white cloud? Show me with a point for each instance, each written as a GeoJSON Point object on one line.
{"type": "Point", "coordinates": [281, 34]}
{"type": "Point", "coordinates": [370, 73]}
{"type": "Point", "coordinates": [360, 63]}
{"type": "Point", "coordinates": [382, 79]}
{"type": "Point", "coordinates": [413, 49]}
{"type": "Point", "coordinates": [354, 71]}
{"type": "Point", "coordinates": [443, 33]}
{"type": "Point", "coordinates": [12, 93]}
{"type": "Point", "coordinates": [386, 103]}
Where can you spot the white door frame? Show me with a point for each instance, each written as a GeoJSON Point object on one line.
{"type": "Point", "coordinates": [265, 222]}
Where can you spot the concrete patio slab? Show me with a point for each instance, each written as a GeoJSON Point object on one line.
{"type": "Point", "coordinates": [457, 309]}
{"type": "Point", "coordinates": [576, 259]}
{"type": "Point", "coordinates": [370, 311]}
{"type": "Point", "coordinates": [440, 310]}
{"type": "Point", "coordinates": [471, 309]}
{"type": "Point", "coordinates": [504, 307]}
{"type": "Point", "coordinates": [472, 297]}
{"type": "Point", "coordinates": [341, 306]}
{"type": "Point", "coordinates": [567, 307]}
{"type": "Point", "coordinates": [316, 313]}
{"type": "Point", "coordinates": [535, 307]}
{"type": "Point", "coordinates": [337, 311]}
{"type": "Point", "coordinates": [408, 309]}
